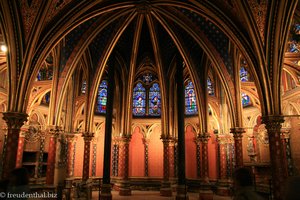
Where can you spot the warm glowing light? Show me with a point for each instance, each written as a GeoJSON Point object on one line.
{"type": "Point", "coordinates": [3, 48]}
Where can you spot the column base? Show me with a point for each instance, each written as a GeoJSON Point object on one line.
{"type": "Point", "coordinates": [223, 188]}
{"type": "Point", "coordinates": [205, 195]}
{"type": "Point", "coordinates": [124, 188]}
{"type": "Point", "coordinates": [182, 193]}
{"type": "Point", "coordinates": [106, 192]}
{"type": "Point", "coordinates": [165, 189]}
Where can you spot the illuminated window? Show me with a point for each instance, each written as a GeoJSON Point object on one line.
{"type": "Point", "coordinates": [83, 87]}
{"type": "Point", "coordinates": [210, 87]}
{"type": "Point", "coordinates": [190, 99]}
{"type": "Point", "coordinates": [154, 100]}
{"type": "Point", "coordinates": [243, 74]}
{"type": "Point", "coordinates": [102, 97]}
{"type": "Point", "coordinates": [245, 100]}
{"type": "Point", "coordinates": [139, 100]}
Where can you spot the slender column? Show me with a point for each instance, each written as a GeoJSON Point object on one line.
{"type": "Point", "coordinates": [181, 189]}
{"type": "Point", "coordinates": [285, 136]}
{"type": "Point", "coordinates": [115, 156]}
{"type": "Point", "coordinates": [238, 145]}
{"type": "Point", "coordinates": [41, 153]}
{"type": "Point", "coordinates": [124, 166]}
{"type": "Point", "coordinates": [54, 133]}
{"type": "Point", "coordinates": [87, 137]}
{"type": "Point", "coordinates": [94, 157]}
{"type": "Point", "coordinates": [71, 138]}
{"type": "Point", "coordinates": [222, 157]}
{"type": "Point", "coordinates": [273, 126]}
{"type": "Point", "coordinates": [21, 147]}
{"type": "Point", "coordinates": [204, 140]}
{"type": "Point", "coordinates": [14, 122]}
{"type": "Point", "coordinates": [146, 153]}
{"type": "Point", "coordinates": [165, 189]}
{"type": "Point", "coordinates": [198, 154]}
{"type": "Point", "coordinates": [171, 159]}
{"type": "Point", "coordinates": [106, 187]}
{"type": "Point", "coordinates": [4, 148]}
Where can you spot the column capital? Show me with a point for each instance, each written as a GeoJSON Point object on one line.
{"type": "Point", "coordinates": [237, 132]}
{"type": "Point", "coordinates": [166, 138]}
{"type": "Point", "coordinates": [204, 137]}
{"type": "Point", "coordinates": [273, 122]}
{"type": "Point", "coordinates": [54, 130]}
{"type": "Point", "coordinates": [87, 136]}
{"type": "Point", "coordinates": [70, 137]}
{"type": "Point", "coordinates": [285, 133]}
{"type": "Point", "coordinates": [15, 120]}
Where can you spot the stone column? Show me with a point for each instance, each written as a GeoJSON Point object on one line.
{"type": "Point", "coordinates": [223, 188]}
{"type": "Point", "coordinates": [14, 121]}
{"type": "Point", "coordinates": [123, 168]}
{"type": "Point", "coordinates": [87, 137]}
{"type": "Point", "coordinates": [146, 155]}
{"type": "Point", "coordinates": [205, 192]}
{"type": "Point", "coordinates": [238, 145]}
{"type": "Point", "coordinates": [279, 174]}
{"type": "Point", "coordinates": [71, 139]}
{"type": "Point", "coordinates": [181, 188]}
{"type": "Point", "coordinates": [165, 189]}
{"type": "Point", "coordinates": [198, 154]}
{"type": "Point", "coordinates": [54, 133]}
{"type": "Point", "coordinates": [285, 137]}
{"type": "Point", "coordinates": [21, 147]}
{"type": "Point", "coordinates": [172, 158]}
{"type": "Point", "coordinates": [41, 153]}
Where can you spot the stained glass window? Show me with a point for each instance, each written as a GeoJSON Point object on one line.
{"type": "Point", "coordinates": [190, 99]}
{"type": "Point", "coordinates": [102, 97]}
{"type": "Point", "coordinates": [243, 74]}
{"type": "Point", "coordinates": [245, 100]}
{"type": "Point", "coordinates": [46, 99]}
{"type": "Point", "coordinates": [83, 87]}
{"type": "Point", "coordinates": [210, 87]}
{"type": "Point", "coordinates": [45, 73]}
{"type": "Point", "coordinates": [139, 100]}
{"type": "Point", "coordinates": [154, 100]}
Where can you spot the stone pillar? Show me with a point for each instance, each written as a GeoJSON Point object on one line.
{"type": "Point", "coordinates": [279, 174]}
{"type": "Point", "coordinates": [14, 121]}
{"type": "Point", "coordinates": [87, 137]}
{"type": "Point", "coordinates": [181, 188]}
{"type": "Point", "coordinates": [285, 137]}
{"type": "Point", "coordinates": [198, 154]}
{"type": "Point", "coordinates": [222, 186]}
{"type": "Point", "coordinates": [71, 139]}
{"type": "Point", "coordinates": [146, 155]}
{"type": "Point", "coordinates": [165, 189]}
{"type": "Point", "coordinates": [41, 153]}
{"type": "Point", "coordinates": [115, 157]}
{"type": "Point", "coordinates": [123, 168]}
{"type": "Point", "coordinates": [21, 147]}
{"type": "Point", "coordinates": [54, 133]}
{"type": "Point", "coordinates": [238, 145]}
{"type": "Point", "coordinates": [205, 192]}
{"type": "Point", "coordinates": [172, 158]}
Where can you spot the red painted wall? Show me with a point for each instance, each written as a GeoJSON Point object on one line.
{"type": "Point", "coordinates": [212, 157]}
{"type": "Point", "coordinates": [99, 155]}
{"type": "Point", "coordinates": [136, 154]}
{"type": "Point", "coordinates": [155, 165]}
{"type": "Point", "coordinates": [190, 154]}
{"type": "Point", "coordinates": [78, 163]}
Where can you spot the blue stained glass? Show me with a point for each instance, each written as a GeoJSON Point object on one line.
{"type": "Point", "coordinates": [245, 100]}
{"type": "Point", "coordinates": [154, 100]}
{"type": "Point", "coordinates": [139, 100]}
{"type": "Point", "coordinates": [243, 74]}
{"type": "Point", "coordinates": [102, 97]}
{"type": "Point", "coordinates": [190, 99]}
{"type": "Point", "coordinates": [210, 87]}
{"type": "Point", "coordinates": [45, 73]}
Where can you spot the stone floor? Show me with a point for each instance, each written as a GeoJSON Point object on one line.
{"type": "Point", "coordinates": [149, 195]}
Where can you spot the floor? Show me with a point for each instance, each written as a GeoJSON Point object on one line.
{"type": "Point", "coordinates": [149, 195]}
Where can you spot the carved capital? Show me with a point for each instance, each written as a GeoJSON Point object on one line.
{"type": "Point", "coordinates": [14, 120]}
{"type": "Point", "coordinates": [70, 137]}
{"type": "Point", "coordinates": [204, 137]}
{"type": "Point", "coordinates": [87, 136]}
{"type": "Point", "coordinates": [237, 132]}
{"type": "Point", "coordinates": [273, 123]}
{"type": "Point", "coordinates": [54, 131]}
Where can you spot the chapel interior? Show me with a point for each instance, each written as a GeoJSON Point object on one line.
{"type": "Point", "coordinates": [162, 95]}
